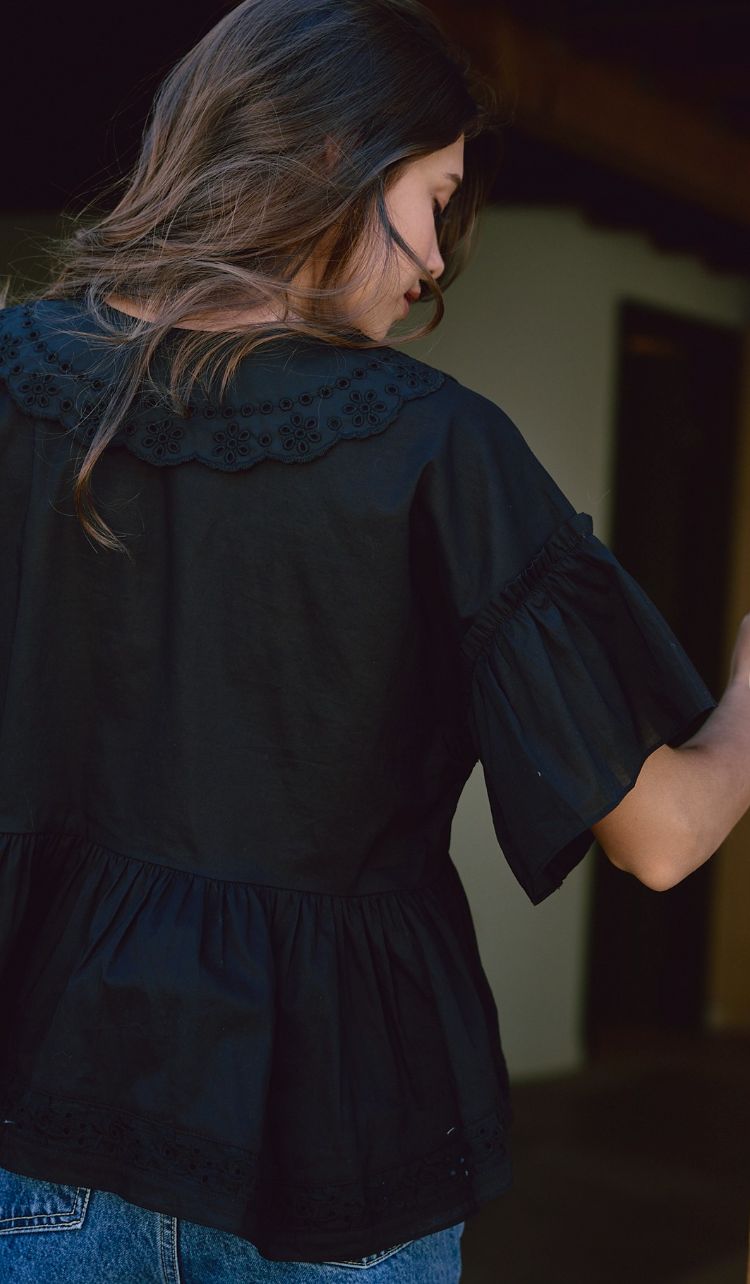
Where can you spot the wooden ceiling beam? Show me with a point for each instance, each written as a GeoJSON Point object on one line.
{"type": "Point", "coordinates": [602, 112]}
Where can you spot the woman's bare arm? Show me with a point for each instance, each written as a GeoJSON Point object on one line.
{"type": "Point", "coordinates": [686, 800]}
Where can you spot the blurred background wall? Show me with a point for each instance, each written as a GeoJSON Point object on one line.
{"type": "Point", "coordinates": [533, 324]}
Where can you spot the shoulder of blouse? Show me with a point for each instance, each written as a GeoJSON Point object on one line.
{"type": "Point", "coordinates": [292, 402]}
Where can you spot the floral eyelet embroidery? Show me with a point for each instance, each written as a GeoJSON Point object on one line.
{"type": "Point", "coordinates": [299, 434]}
{"type": "Point", "coordinates": [9, 348]}
{"type": "Point", "coordinates": [162, 439]}
{"type": "Point", "coordinates": [364, 408]}
{"type": "Point", "coordinates": [75, 393]}
{"type": "Point", "coordinates": [232, 443]}
{"type": "Point", "coordinates": [39, 390]}
{"type": "Point", "coordinates": [474, 1152]}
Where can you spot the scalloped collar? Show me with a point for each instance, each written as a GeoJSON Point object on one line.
{"type": "Point", "coordinates": [291, 401]}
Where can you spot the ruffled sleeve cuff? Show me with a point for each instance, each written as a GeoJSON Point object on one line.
{"type": "Point", "coordinates": [574, 680]}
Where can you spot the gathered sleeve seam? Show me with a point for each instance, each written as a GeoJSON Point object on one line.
{"type": "Point", "coordinates": [513, 596]}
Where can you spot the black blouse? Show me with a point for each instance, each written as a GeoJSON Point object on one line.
{"type": "Point", "coordinates": [240, 983]}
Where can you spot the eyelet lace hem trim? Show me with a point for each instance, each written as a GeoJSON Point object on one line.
{"type": "Point", "coordinates": [53, 375]}
{"type": "Point", "coordinates": [446, 1174]}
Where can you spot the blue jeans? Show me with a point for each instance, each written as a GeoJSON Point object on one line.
{"type": "Point", "coordinates": [72, 1235]}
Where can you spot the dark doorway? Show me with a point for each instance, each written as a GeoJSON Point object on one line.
{"type": "Point", "coordinates": [677, 417]}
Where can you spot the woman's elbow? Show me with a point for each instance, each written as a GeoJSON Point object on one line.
{"type": "Point", "coordinates": [665, 859]}
{"type": "Point", "coordinates": [659, 876]}
{"type": "Point", "coordinates": [655, 831]}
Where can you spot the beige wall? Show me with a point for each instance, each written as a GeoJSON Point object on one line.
{"type": "Point", "coordinates": [729, 957]}
{"type": "Point", "coordinates": [532, 325]}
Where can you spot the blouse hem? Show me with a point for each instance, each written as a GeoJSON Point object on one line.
{"type": "Point", "coordinates": [46, 1161]}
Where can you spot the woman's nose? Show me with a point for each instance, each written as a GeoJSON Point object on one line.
{"type": "Point", "coordinates": [435, 262]}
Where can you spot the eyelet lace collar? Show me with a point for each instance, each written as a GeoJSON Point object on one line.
{"type": "Point", "coordinates": [292, 403]}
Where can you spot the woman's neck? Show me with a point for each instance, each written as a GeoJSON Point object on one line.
{"type": "Point", "coordinates": [213, 321]}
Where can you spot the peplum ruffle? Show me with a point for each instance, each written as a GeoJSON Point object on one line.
{"type": "Point", "coordinates": [323, 1038]}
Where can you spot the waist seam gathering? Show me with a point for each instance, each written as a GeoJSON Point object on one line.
{"type": "Point", "coordinates": [446, 865]}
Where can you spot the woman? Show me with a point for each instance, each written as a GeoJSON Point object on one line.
{"type": "Point", "coordinates": [248, 1036]}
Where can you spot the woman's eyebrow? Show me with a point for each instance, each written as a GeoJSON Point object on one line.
{"type": "Point", "coordinates": [455, 178]}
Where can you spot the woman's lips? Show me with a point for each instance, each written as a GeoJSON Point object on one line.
{"type": "Point", "coordinates": [410, 297]}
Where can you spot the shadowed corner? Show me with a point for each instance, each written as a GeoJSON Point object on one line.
{"type": "Point", "coordinates": [634, 1168]}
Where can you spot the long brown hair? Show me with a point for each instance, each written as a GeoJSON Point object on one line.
{"type": "Point", "coordinates": [275, 137]}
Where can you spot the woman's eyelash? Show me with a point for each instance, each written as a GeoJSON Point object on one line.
{"type": "Point", "coordinates": [441, 215]}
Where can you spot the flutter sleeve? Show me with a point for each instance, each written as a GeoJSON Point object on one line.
{"type": "Point", "coordinates": [572, 677]}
